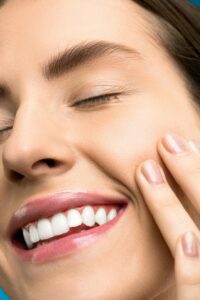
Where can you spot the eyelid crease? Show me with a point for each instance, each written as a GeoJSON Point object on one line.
{"type": "Point", "coordinates": [102, 99]}
{"type": "Point", "coordinates": [103, 89]}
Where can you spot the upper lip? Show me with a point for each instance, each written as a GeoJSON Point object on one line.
{"type": "Point", "coordinates": [36, 208]}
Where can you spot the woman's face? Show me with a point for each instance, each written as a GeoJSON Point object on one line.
{"type": "Point", "coordinates": [56, 145]}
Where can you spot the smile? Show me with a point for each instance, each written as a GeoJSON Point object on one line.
{"type": "Point", "coordinates": [60, 224]}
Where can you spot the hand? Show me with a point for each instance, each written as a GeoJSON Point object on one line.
{"type": "Point", "coordinates": [180, 232]}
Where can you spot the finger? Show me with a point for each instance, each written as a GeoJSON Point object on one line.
{"type": "Point", "coordinates": [168, 212]}
{"type": "Point", "coordinates": [187, 267]}
{"type": "Point", "coordinates": [182, 158]}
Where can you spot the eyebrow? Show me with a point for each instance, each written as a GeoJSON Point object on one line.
{"type": "Point", "coordinates": [77, 55]}
{"type": "Point", "coordinates": [84, 52]}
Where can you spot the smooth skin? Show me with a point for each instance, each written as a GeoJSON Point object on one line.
{"type": "Point", "coordinates": [97, 148]}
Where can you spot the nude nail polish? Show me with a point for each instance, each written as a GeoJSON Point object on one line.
{"type": "Point", "coordinates": [194, 146]}
{"type": "Point", "coordinates": [189, 244]}
{"type": "Point", "coordinates": [174, 144]}
{"type": "Point", "coordinates": [152, 173]}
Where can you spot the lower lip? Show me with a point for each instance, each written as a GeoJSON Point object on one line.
{"type": "Point", "coordinates": [66, 245]}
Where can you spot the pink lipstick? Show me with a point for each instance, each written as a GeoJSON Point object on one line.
{"type": "Point", "coordinates": [65, 244]}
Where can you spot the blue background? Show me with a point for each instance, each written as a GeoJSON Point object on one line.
{"type": "Point", "coordinates": [2, 294]}
{"type": "Point", "coordinates": [197, 2]}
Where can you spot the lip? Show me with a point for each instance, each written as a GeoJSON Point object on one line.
{"type": "Point", "coordinates": [68, 245]}
{"type": "Point", "coordinates": [44, 207]}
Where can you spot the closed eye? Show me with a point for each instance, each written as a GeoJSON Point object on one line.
{"type": "Point", "coordinates": [101, 99]}
{"type": "Point", "coordinates": [5, 129]}
{"type": "Point", "coordinates": [5, 132]}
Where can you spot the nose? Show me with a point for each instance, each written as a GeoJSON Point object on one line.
{"type": "Point", "coordinates": [36, 149]}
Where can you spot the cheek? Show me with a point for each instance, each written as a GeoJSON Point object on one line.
{"type": "Point", "coordinates": [117, 143]}
{"type": "Point", "coordinates": [118, 139]}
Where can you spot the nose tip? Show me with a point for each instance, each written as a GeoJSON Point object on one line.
{"type": "Point", "coordinates": [36, 161]}
{"type": "Point", "coordinates": [40, 143]}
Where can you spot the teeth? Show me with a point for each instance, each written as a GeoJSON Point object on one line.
{"type": "Point", "coordinates": [88, 216]}
{"type": "Point", "coordinates": [112, 214]}
{"type": "Point", "coordinates": [100, 216]}
{"type": "Point", "coordinates": [74, 218]}
{"type": "Point", "coordinates": [27, 238]}
{"type": "Point", "coordinates": [59, 224]}
{"type": "Point", "coordinates": [33, 234]}
{"type": "Point", "coordinates": [44, 229]}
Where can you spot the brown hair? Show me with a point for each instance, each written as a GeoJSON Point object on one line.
{"type": "Point", "coordinates": [179, 34]}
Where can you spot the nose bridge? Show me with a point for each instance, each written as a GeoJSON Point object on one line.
{"type": "Point", "coordinates": [30, 130]}
{"type": "Point", "coordinates": [36, 146]}
{"type": "Point", "coordinates": [33, 124]}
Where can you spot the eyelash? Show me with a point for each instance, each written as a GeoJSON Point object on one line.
{"type": "Point", "coordinates": [8, 124]}
{"type": "Point", "coordinates": [97, 99]}
{"type": "Point", "coordinates": [4, 129]}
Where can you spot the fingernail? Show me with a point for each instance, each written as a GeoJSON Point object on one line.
{"type": "Point", "coordinates": [174, 144]}
{"type": "Point", "coordinates": [152, 173]}
{"type": "Point", "coordinates": [194, 146]}
{"type": "Point", "coordinates": [189, 244]}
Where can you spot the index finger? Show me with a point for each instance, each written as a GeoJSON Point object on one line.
{"type": "Point", "coordinates": [167, 210]}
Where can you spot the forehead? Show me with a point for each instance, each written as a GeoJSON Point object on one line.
{"type": "Point", "coordinates": [37, 26]}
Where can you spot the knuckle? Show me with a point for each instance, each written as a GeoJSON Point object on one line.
{"type": "Point", "coordinates": [166, 198]}
{"type": "Point", "coordinates": [190, 277]}
{"type": "Point", "coordinates": [193, 165]}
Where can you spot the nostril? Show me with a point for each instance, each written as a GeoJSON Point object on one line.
{"type": "Point", "coordinates": [15, 176]}
{"type": "Point", "coordinates": [38, 166]}
{"type": "Point", "coordinates": [51, 163]}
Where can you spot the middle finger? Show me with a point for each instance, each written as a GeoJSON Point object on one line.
{"type": "Point", "coordinates": [182, 159]}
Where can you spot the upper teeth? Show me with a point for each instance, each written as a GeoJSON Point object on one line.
{"type": "Point", "coordinates": [62, 222]}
